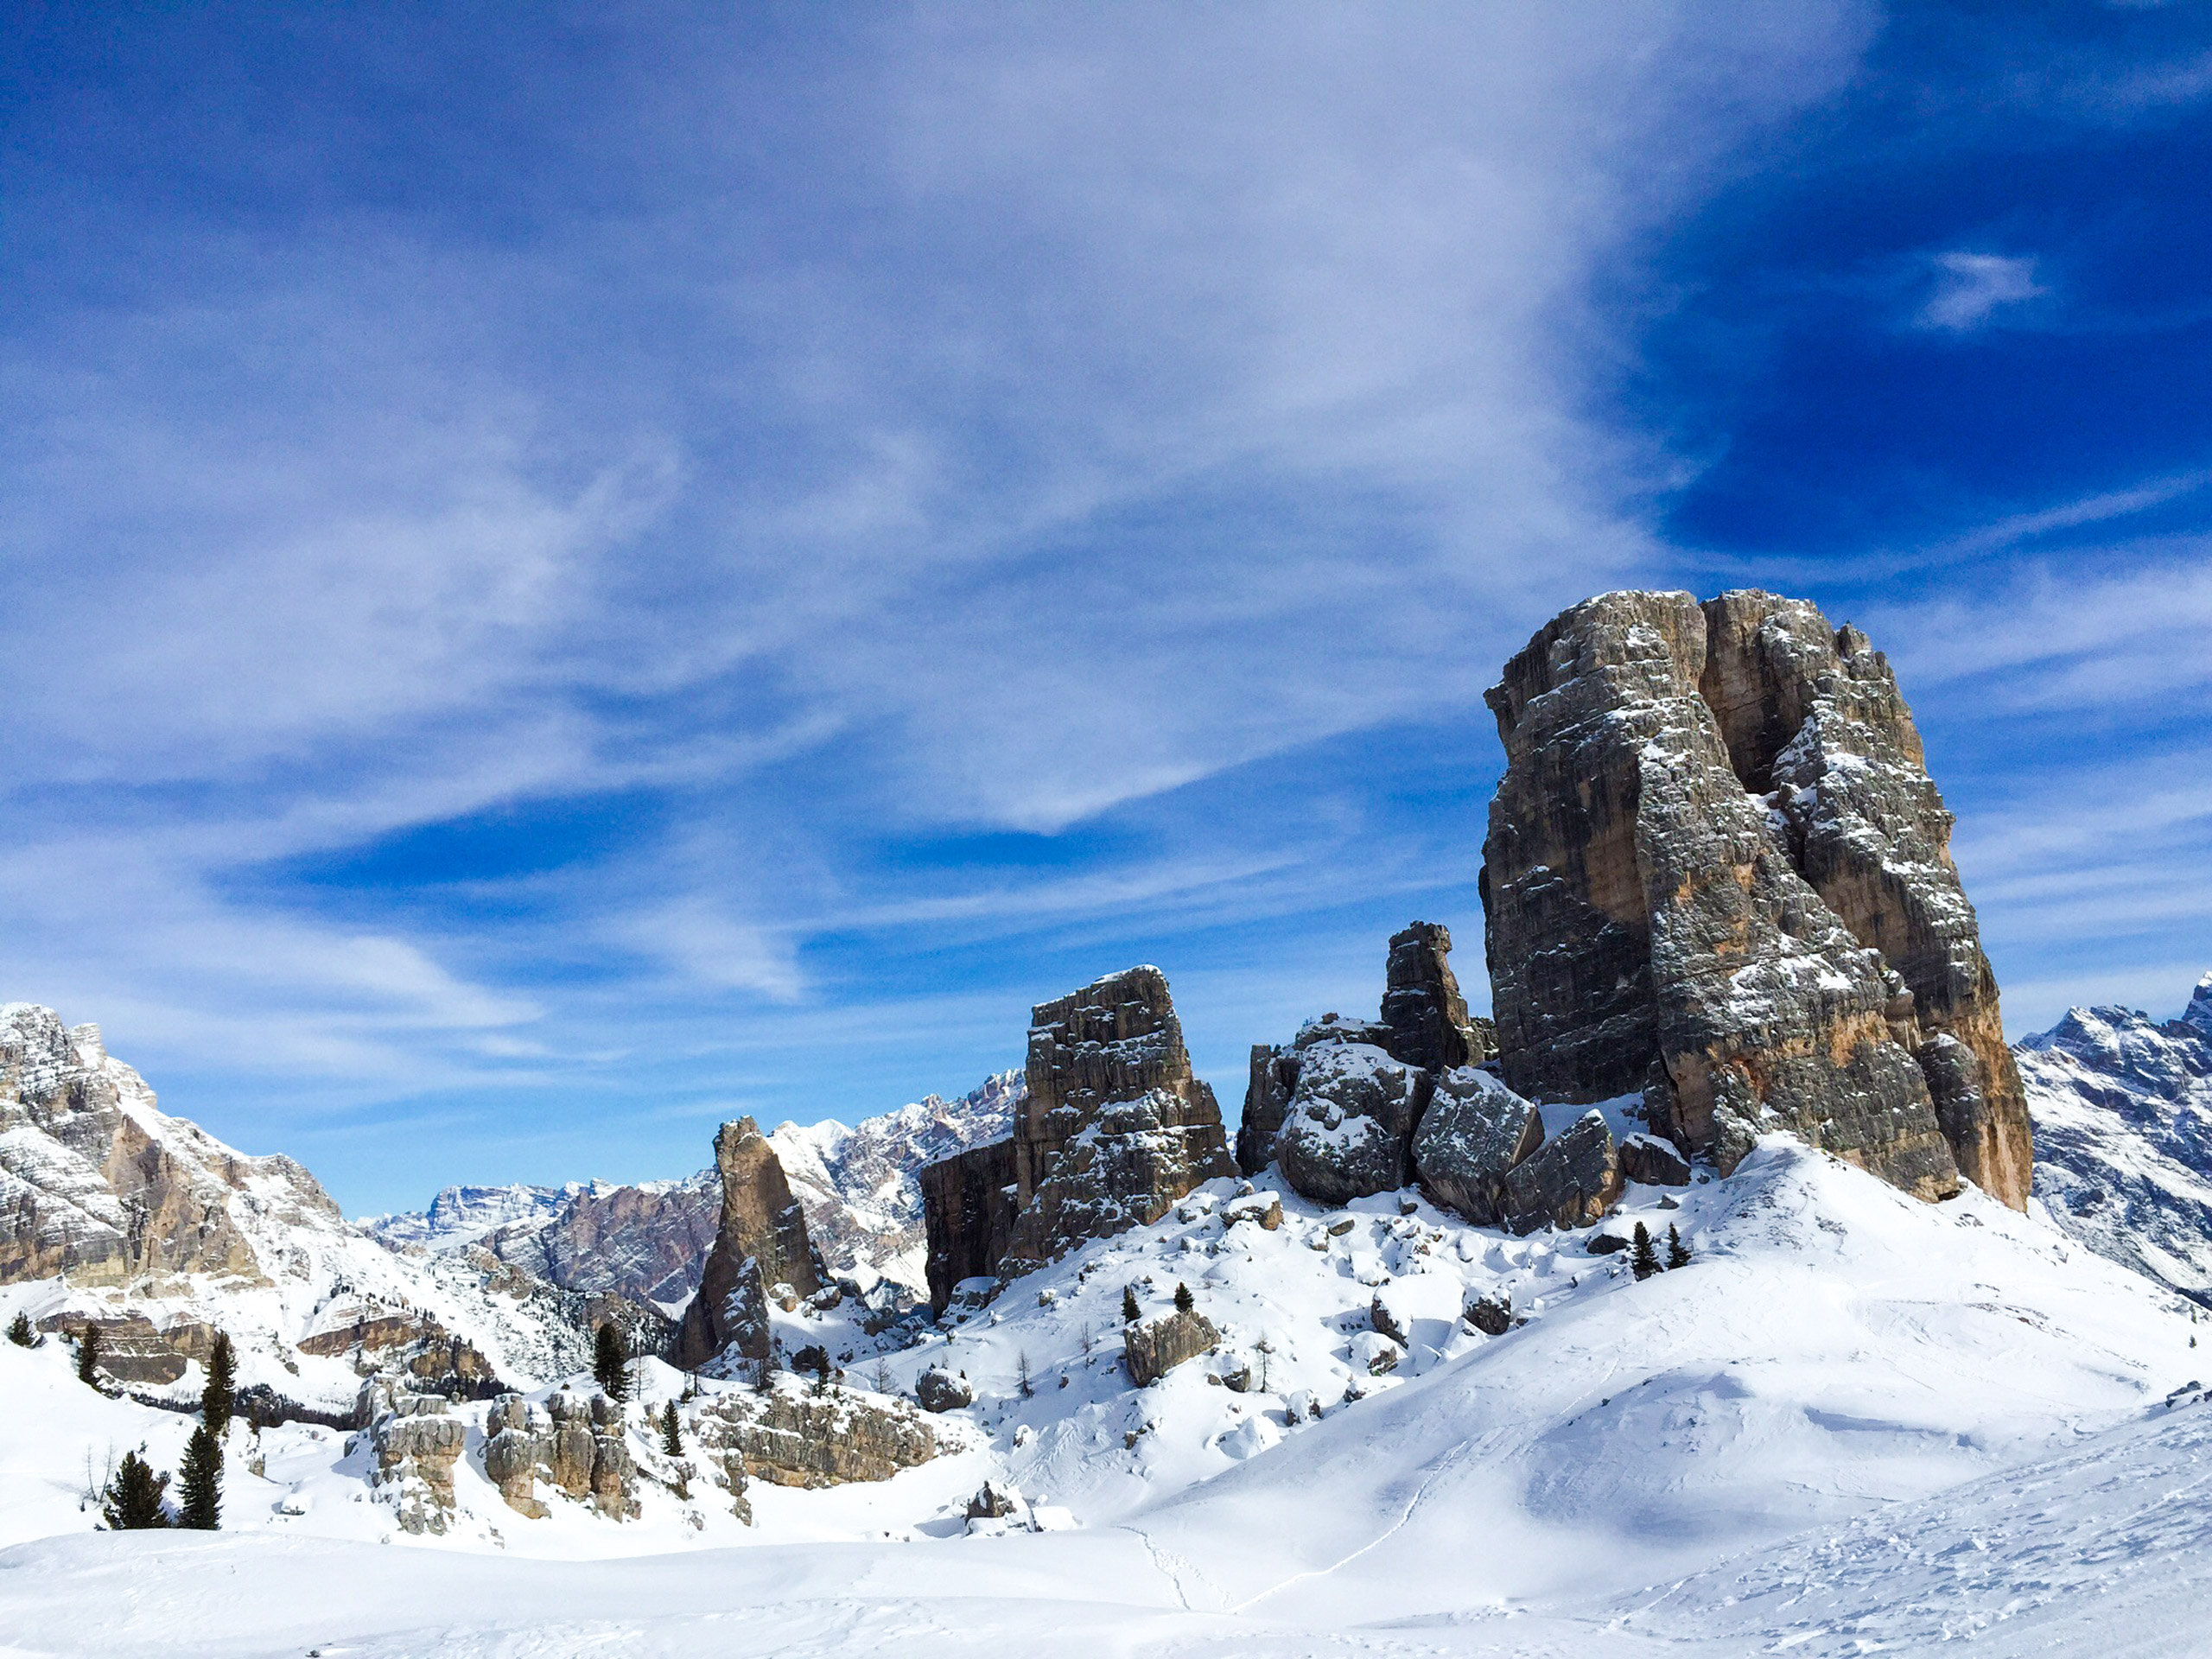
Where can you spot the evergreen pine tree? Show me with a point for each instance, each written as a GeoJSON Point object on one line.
{"type": "Point", "coordinates": [20, 1332]}
{"type": "Point", "coordinates": [1029, 1387]}
{"type": "Point", "coordinates": [1645, 1261]}
{"type": "Point", "coordinates": [200, 1482]}
{"type": "Point", "coordinates": [88, 1355]}
{"type": "Point", "coordinates": [1678, 1254]}
{"type": "Point", "coordinates": [133, 1497]}
{"type": "Point", "coordinates": [671, 1432]}
{"type": "Point", "coordinates": [1130, 1311]}
{"type": "Point", "coordinates": [220, 1398]}
{"type": "Point", "coordinates": [610, 1362]}
{"type": "Point", "coordinates": [1184, 1302]}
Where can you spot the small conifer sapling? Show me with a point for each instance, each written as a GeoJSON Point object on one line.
{"type": "Point", "coordinates": [20, 1332]}
{"type": "Point", "coordinates": [1678, 1254]}
{"type": "Point", "coordinates": [88, 1356]}
{"type": "Point", "coordinates": [671, 1431]}
{"type": "Point", "coordinates": [133, 1497]}
{"type": "Point", "coordinates": [200, 1482]}
{"type": "Point", "coordinates": [1645, 1261]}
{"type": "Point", "coordinates": [1130, 1311]}
{"type": "Point", "coordinates": [1184, 1302]}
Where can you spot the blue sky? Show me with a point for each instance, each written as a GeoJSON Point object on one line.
{"type": "Point", "coordinates": [571, 572]}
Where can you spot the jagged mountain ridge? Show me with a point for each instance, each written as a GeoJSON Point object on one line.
{"type": "Point", "coordinates": [114, 1213]}
{"type": "Point", "coordinates": [2122, 1108]}
{"type": "Point", "coordinates": [648, 1240]}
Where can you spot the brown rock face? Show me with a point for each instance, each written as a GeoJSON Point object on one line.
{"type": "Point", "coordinates": [795, 1438]}
{"type": "Point", "coordinates": [1115, 1128]}
{"type": "Point", "coordinates": [575, 1443]}
{"type": "Point", "coordinates": [96, 1182]}
{"type": "Point", "coordinates": [1717, 871]}
{"type": "Point", "coordinates": [1421, 1003]}
{"type": "Point", "coordinates": [762, 1243]}
{"type": "Point", "coordinates": [1153, 1349]}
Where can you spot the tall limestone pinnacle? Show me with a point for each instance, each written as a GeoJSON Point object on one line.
{"type": "Point", "coordinates": [1115, 1128]}
{"type": "Point", "coordinates": [762, 1242]}
{"type": "Point", "coordinates": [1716, 870]}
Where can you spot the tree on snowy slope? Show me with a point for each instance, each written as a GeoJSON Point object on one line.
{"type": "Point", "coordinates": [220, 1398]}
{"type": "Point", "coordinates": [671, 1432]}
{"type": "Point", "coordinates": [1678, 1254]}
{"type": "Point", "coordinates": [133, 1497]}
{"type": "Point", "coordinates": [88, 1356]}
{"type": "Point", "coordinates": [610, 1361]}
{"type": "Point", "coordinates": [20, 1332]}
{"type": "Point", "coordinates": [200, 1482]}
{"type": "Point", "coordinates": [1130, 1311]}
{"type": "Point", "coordinates": [1645, 1261]}
{"type": "Point", "coordinates": [1184, 1302]}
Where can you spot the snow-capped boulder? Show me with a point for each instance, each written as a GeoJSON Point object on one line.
{"type": "Point", "coordinates": [1652, 1160]}
{"type": "Point", "coordinates": [797, 1435]}
{"type": "Point", "coordinates": [1713, 824]}
{"type": "Point", "coordinates": [1152, 1348]}
{"type": "Point", "coordinates": [940, 1390]}
{"type": "Point", "coordinates": [1351, 1123]}
{"type": "Point", "coordinates": [1474, 1132]}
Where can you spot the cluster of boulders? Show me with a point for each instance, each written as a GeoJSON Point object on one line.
{"type": "Point", "coordinates": [1114, 1129]}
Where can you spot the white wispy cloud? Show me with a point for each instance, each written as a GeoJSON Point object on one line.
{"type": "Point", "coordinates": [1971, 290]}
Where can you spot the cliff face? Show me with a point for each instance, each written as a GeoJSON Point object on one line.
{"type": "Point", "coordinates": [1115, 1127]}
{"type": "Point", "coordinates": [761, 1243]}
{"type": "Point", "coordinates": [1717, 872]}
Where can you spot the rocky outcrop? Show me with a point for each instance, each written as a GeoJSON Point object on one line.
{"type": "Point", "coordinates": [1474, 1134]}
{"type": "Point", "coordinates": [969, 1202]}
{"type": "Point", "coordinates": [1714, 830]}
{"type": "Point", "coordinates": [797, 1437]}
{"type": "Point", "coordinates": [1153, 1348]}
{"type": "Point", "coordinates": [416, 1442]}
{"type": "Point", "coordinates": [2122, 1110]}
{"type": "Point", "coordinates": [1422, 1004]}
{"type": "Point", "coordinates": [1350, 1125]}
{"type": "Point", "coordinates": [1568, 1182]}
{"type": "Point", "coordinates": [574, 1443]}
{"type": "Point", "coordinates": [1114, 1129]}
{"type": "Point", "coordinates": [1424, 1028]}
{"type": "Point", "coordinates": [761, 1244]}
{"type": "Point", "coordinates": [647, 1244]}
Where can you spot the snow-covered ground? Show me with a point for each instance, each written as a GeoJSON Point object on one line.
{"type": "Point", "coordinates": [1853, 1421]}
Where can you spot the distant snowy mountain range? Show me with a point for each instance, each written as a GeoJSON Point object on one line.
{"type": "Point", "coordinates": [648, 1240]}
{"type": "Point", "coordinates": [2122, 1107]}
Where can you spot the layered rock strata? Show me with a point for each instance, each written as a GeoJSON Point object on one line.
{"type": "Point", "coordinates": [795, 1437]}
{"type": "Point", "coordinates": [574, 1443]}
{"type": "Point", "coordinates": [1115, 1127]}
{"type": "Point", "coordinates": [1717, 872]}
{"type": "Point", "coordinates": [761, 1244]}
{"type": "Point", "coordinates": [416, 1442]}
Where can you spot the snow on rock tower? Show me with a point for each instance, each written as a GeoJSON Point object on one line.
{"type": "Point", "coordinates": [1718, 871]}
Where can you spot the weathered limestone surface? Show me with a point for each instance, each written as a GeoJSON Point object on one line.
{"type": "Point", "coordinates": [761, 1243]}
{"type": "Point", "coordinates": [1569, 1180]}
{"type": "Point", "coordinates": [575, 1443]}
{"type": "Point", "coordinates": [1714, 828]}
{"type": "Point", "coordinates": [795, 1437]}
{"type": "Point", "coordinates": [416, 1442]}
{"type": "Point", "coordinates": [1154, 1347]}
{"type": "Point", "coordinates": [1114, 1129]}
{"type": "Point", "coordinates": [1349, 1130]}
{"type": "Point", "coordinates": [96, 1183]}
{"type": "Point", "coordinates": [1425, 1029]}
{"type": "Point", "coordinates": [1475, 1131]}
